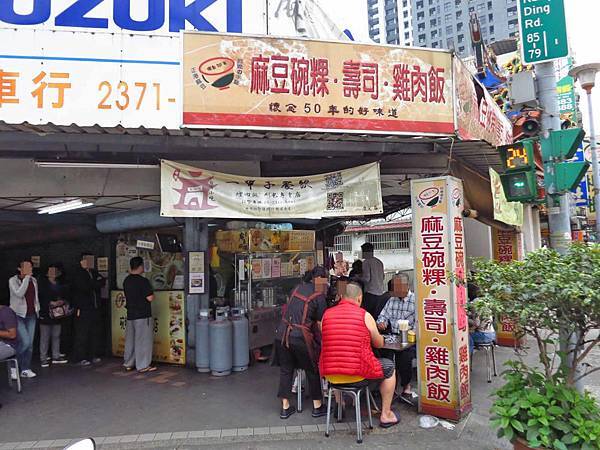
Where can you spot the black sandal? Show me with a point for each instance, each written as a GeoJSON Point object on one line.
{"type": "Point", "coordinates": [287, 413]}
{"type": "Point", "coordinates": [389, 424]}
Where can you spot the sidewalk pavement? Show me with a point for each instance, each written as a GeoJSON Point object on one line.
{"type": "Point", "coordinates": [179, 408]}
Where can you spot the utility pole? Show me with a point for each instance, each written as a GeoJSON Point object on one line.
{"type": "Point", "coordinates": [544, 39]}
{"type": "Point", "coordinates": [559, 214]}
{"type": "Point", "coordinates": [596, 170]}
{"type": "Point", "coordinates": [559, 211]}
{"type": "Point", "coordinates": [586, 75]}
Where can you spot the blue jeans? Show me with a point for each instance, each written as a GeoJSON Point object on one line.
{"type": "Point", "coordinates": [25, 335]}
{"type": "Point", "coordinates": [480, 337]}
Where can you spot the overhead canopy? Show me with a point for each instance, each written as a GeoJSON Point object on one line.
{"type": "Point", "coordinates": [243, 152]}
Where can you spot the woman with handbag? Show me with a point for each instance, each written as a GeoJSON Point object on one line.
{"type": "Point", "coordinates": [53, 308]}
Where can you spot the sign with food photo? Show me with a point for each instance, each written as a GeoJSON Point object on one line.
{"type": "Point", "coordinates": [168, 314]}
{"type": "Point", "coordinates": [161, 268]}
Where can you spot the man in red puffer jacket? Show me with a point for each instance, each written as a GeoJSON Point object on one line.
{"type": "Point", "coordinates": [348, 333]}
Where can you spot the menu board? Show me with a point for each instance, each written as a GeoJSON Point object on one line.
{"type": "Point", "coordinates": [260, 240]}
{"type": "Point", "coordinates": [161, 268]}
{"type": "Point", "coordinates": [168, 315]}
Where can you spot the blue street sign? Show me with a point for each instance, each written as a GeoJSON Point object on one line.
{"type": "Point", "coordinates": [581, 191]}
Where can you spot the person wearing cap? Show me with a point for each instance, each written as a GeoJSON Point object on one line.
{"type": "Point", "coordinates": [299, 340]}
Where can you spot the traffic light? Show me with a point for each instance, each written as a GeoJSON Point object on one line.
{"type": "Point", "coordinates": [562, 144]}
{"type": "Point", "coordinates": [561, 176]}
{"type": "Point", "coordinates": [519, 179]}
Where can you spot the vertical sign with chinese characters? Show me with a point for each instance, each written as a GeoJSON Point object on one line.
{"type": "Point", "coordinates": [196, 273]}
{"type": "Point", "coordinates": [168, 315]}
{"type": "Point", "coordinates": [507, 247]}
{"type": "Point", "coordinates": [443, 355]}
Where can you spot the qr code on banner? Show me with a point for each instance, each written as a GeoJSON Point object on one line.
{"type": "Point", "coordinates": [335, 200]}
{"type": "Point", "coordinates": [333, 181]}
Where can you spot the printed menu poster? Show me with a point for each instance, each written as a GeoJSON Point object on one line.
{"type": "Point", "coordinates": [266, 268]}
{"type": "Point", "coordinates": [196, 272]}
{"type": "Point", "coordinates": [286, 269]}
{"type": "Point", "coordinates": [256, 269]}
{"type": "Point", "coordinates": [103, 264]}
{"type": "Point", "coordinates": [276, 268]}
{"type": "Point", "coordinates": [303, 266]}
{"type": "Point", "coordinates": [168, 314]}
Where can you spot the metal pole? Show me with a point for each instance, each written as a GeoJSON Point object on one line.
{"type": "Point", "coordinates": [595, 168]}
{"type": "Point", "coordinates": [559, 220]}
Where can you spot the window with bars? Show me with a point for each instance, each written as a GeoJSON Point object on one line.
{"type": "Point", "coordinates": [390, 240]}
{"type": "Point", "coordinates": [343, 243]}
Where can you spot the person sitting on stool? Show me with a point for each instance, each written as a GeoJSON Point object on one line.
{"type": "Point", "coordinates": [348, 332]}
{"type": "Point", "coordinates": [481, 329]}
{"type": "Point", "coordinates": [401, 306]}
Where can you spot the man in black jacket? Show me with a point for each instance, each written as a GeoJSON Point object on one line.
{"type": "Point", "coordinates": [86, 284]}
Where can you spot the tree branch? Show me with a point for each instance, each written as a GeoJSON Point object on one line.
{"type": "Point", "coordinates": [586, 351]}
{"type": "Point", "coordinates": [586, 374]}
{"type": "Point", "coordinates": [543, 353]}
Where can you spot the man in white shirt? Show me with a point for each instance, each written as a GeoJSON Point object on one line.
{"type": "Point", "coordinates": [401, 306]}
{"type": "Point", "coordinates": [373, 279]}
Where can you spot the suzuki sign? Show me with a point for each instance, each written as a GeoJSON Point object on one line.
{"type": "Point", "coordinates": [162, 16]}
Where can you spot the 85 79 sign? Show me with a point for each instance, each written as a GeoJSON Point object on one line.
{"type": "Point", "coordinates": [543, 30]}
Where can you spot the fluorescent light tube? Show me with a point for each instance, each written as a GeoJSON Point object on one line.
{"type": "Point", "coordinates": [65, 206]}
{"type": "Point", "coordinates": [93, 165]}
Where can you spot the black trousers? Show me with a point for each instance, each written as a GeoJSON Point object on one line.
{"type": "Point", "coordinates": [87, 337]}
{"type": "Point", "coordinates": [374, 304]}
{"type": "Point", "coordinates": [404, 370]}
{"type": "Point", "coordinates": [297, 357]}
{"type": "Point", "coordinates": [404, 365]}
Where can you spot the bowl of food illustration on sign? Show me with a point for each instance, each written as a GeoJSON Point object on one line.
{"type": "Point", "coordinates": [456, 197]}
{"type": "Point", "coordinates": [217, 72]}
{"type": "Point", "coordinates": [430, 197]}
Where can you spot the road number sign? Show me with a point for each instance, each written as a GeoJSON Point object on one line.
{"type": "Point", "coordinates": [543, 30]}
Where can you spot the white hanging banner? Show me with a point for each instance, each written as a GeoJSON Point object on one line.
{"type": "Point", "coordinates": [188, 191]}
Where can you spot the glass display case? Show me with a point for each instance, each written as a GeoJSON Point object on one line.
{"type": "Point", "coordinates": [264, 280]}
{"type": "Point", "coordinates": [268, 264]}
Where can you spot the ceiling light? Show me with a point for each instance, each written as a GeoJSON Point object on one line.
{"type": "Point", "coordinates": [65, 206]}
{"type": "Point", "coordinates": [93, 165]}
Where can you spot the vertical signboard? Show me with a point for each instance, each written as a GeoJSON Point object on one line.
{"type": "Point", "coordinates": [168, 315]}
{"type": "Point", "coordinates": [582, 191]}
{"type": "Point", "coordinates": [196, 273]}
{"type": "Point", "coordinates": [507, 247]}
{"type": "Point", "coordinates": [443, 355]}
{"type": "Point", "coordinates": [565, 96]}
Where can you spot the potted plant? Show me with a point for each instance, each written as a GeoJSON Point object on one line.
{"type": "Point", "coordinates": [554, 299]}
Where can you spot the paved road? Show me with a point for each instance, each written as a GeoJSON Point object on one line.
{"type": "Point", "coordinates": [179, 408]}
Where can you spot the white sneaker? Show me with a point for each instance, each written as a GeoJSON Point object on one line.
{"type": "Point", "coordinates": [28, 374]}
{"type": "Point", "coordinates": [13, 373]}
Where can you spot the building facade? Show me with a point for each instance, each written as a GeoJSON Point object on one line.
{"type": "Point", "coordinates": [440, 23]}
{"type": "Point", "coordinates": [445, 23]}
{"type": "Point", "coordinates": [390, 21]}
{"type": "Point", "coordinates": [392, 243]}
